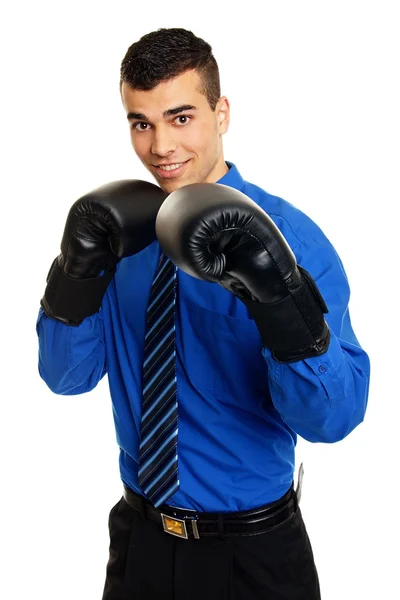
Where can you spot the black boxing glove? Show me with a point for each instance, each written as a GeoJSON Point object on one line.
{"type": "Point", "coordinates": [218, 234]}
{"type": "Point", "coordinates": [111, 222]}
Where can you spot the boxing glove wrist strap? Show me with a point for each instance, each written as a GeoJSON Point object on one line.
{"type": "Point", "coordinates": [72, 300]}
{"type": "Point", "coordinates": [294, 328]}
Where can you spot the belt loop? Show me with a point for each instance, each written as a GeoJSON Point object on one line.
{"type": "Point", "coordinates": [295, 500]}
{"type": "Point", "coordinates": [142, 511]}
{"type": "Point", "coordinates": [221, 529]}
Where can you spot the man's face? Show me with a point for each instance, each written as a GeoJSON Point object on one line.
{"type": "Point", "coordinates": [175, 133]}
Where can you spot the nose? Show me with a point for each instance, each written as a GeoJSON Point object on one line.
{"type": "Point", "coordinates": [163, 142]}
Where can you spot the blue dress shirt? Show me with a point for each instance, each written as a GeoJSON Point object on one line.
{"type": "Point", "coordinates": [239, 410]}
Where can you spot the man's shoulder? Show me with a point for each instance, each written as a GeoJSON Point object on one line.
{"type": "Point", "coordinates": [271, 203]}
{"type": "Point", "coordinates": [295, 225]}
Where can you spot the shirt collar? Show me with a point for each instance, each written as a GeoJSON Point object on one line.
{"type": "Point", "coordinates": [232, 178]}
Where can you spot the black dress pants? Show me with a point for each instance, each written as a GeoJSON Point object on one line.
{"type": "Point", "coordinates": [148, 564]}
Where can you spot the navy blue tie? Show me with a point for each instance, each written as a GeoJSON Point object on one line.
{"type": "Point", "coordinates": [158, 455]}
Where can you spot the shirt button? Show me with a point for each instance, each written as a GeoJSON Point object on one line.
{"type": "Point", "coordinates": [322, 368]}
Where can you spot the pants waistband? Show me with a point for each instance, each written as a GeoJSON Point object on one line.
{"type": "Point", "coordinates": [193, 524]}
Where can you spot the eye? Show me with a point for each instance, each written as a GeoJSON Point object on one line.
{"type": "Point", "coordinates": [141, 126]}
{"type": "Point", "coordinates": [182, 119]}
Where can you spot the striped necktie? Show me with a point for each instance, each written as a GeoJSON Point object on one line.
{"type": "Point", "coordinates": [158, 458]}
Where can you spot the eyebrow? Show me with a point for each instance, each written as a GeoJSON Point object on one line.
{"type": "Point", "coordinates": [167, 113]}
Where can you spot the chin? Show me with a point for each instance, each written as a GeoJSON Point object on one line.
{"type": "Point", "coordinates": [172, 186]}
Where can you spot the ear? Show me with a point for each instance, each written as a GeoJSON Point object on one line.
{"type": "Point", "coordinates": [222, 111]}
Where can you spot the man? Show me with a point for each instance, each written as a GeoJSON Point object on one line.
{"type": "Point", "coordinates": [210, 383]}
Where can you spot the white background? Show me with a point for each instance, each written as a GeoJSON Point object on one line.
{"type": "Point", "coordinates": [315, 119]}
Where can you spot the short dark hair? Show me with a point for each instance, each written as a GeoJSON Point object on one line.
{"type": "Point", "coordinates": [166, 53]}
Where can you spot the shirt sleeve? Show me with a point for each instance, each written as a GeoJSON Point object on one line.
{"type": "Point", "coordinates": [324, 398]}
{"type": "Point", "coordinates": [71, 359]}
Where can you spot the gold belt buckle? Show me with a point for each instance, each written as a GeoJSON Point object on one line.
{"type": "Point", "coordinates": [174, 526]}
{"type": "Point", "coordinates": [178, 527]}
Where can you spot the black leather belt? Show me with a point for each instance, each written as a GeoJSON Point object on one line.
{"type": "Point", "coordinates": [192, 524]}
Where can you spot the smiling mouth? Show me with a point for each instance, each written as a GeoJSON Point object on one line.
{"type": "Point", "coordinates": [170, 170]}
{"type": "Point", "coordinates": [171, 167]}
